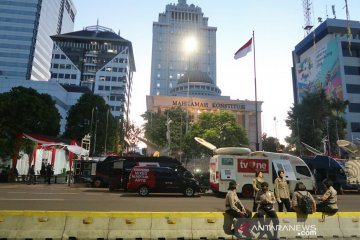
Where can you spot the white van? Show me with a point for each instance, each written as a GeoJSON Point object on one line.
{"type": "Point", "coordinates": [240, 164]}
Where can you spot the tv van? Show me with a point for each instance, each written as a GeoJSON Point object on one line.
{"type": "Point", "coordinates": [241, 164]}
{"type": "Point", "coordinates": [146, 179]}
{"type": "Point", "coordinates": [116, 170]}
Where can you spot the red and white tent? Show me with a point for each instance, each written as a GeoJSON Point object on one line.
{"type": "Point", "coordinates": [49, 149]}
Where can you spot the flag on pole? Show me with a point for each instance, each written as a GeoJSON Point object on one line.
{"type": "Point", "coordinates": [243, 50]}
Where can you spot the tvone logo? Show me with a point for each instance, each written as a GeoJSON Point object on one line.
{"type": "Point", "coordinates": [253, 165]}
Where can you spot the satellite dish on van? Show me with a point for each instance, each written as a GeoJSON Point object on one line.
{"type": "Point", "coordinates": [205, 144]}
{"type": "Point", "coordinates": [311, 149]}
{"type": "Point", "coordinates": [348, 147]}
{"type": "Point", "coordinates": [225, 150]}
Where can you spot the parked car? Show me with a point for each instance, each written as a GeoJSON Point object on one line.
{"type": "Point", "coordinates": [146, 179]}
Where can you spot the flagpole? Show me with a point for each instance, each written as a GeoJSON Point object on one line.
{"type": "Point", "coordinates": [256, 105]}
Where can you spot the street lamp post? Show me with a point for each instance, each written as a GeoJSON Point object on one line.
{"type": "Point", "coordinates": [168, 134]}
{"type": "Point", "coordinates": [96, 120]}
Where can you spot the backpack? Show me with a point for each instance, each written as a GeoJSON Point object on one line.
{"type": "Point", "coordinates": [305, 204]}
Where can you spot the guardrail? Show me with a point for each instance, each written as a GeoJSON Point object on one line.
{"type": "Point", "coordinates": [167, 225]}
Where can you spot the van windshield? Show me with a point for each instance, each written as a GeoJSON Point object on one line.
{"type": "Point", "coordinates": [184, 172]}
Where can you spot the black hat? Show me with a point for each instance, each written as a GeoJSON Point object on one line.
{"type": "Point", "coordinates": [232, 185]}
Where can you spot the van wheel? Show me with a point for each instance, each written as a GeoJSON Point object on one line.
{"type": "Point", "coordinates": [143, 191]}
{"type": "Point", "coordinates": [247, 191]}
{"type": "Point", "coordinates": [189, 192]}
{"type": "Point", "coordinates": [97, 183]}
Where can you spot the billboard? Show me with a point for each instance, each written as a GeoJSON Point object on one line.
{"type": "Point", "coordinates": [320, 70]}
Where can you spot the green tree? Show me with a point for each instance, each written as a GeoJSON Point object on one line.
{"type": "Point", "coordinates": [24, 110]}
{"type": "Point", "coordinates": [132, 134]}
{"type": "Point", "coordinates": [271, 144]}
{"type": "Point", "coordinates": [91, 115]}
{"type": "Point", "coordinates": [218, 128]}
{"type": "Point", "coordinates": [315, 118]}
{"type": "Point", "coordinates": [155, 128]}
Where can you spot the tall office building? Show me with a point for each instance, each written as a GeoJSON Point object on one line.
{"type": "Point", "coordinates": [329, 58]}
{"type": "Point", "coordinates": [169, 59]}
{"type": "Point", "coordinates": [99, 59]}
{"type": "Point", "coordinates": [25, 30]}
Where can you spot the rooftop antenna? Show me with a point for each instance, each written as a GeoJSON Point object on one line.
{"type": "Point", "coordinates": [307, 7]}
{"type": "Point", "coordinates": [349, 34]}
{"type": "Point", "coordinates": [333, 11]}
{"type": "Point", "coordinates": [327, 16]}
{"type": "Point", "coordinates": [97, 25]}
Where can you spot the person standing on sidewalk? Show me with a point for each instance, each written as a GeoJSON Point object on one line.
{"type": "Point", "coordinates": [49, 172]}
{"type": "Point", "coordinates": [282, 192]}
{"type": "Point", "coordinates": [31, 175]}
{"type": "Point", "coordinates": [256, 187]}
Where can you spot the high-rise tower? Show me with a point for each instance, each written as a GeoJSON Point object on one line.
{"type": "Point", "coordinates": [99, 59]}
{"type": "Point", "coordinates": [169, 60]}
{"type": "Point", "coordinates": [25, 30]}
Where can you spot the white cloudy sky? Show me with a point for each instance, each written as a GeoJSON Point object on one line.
{"type": "Point", "coordinates": [278, 27]}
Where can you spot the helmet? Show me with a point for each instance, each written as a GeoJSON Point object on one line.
{"type": "Point", "coordinates": [232, 184]}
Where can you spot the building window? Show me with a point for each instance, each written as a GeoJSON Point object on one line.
{"type": "Point", "coordinates": [159, 66]}
{"type": "Point", "coordinates": [351, 70]}
{"type": "Point", "coordinates": [354, 107]}
{"type": "Point", "coordinates": [353, 52]}
{"type": "Point", "coordinates": [101, 87]}
{"type": "Point", "coordinates": [353, 88]}
{"type": "Point", "coordinates": [158, 75]}
{"type": "Point", "coordinates": [158, 85]}
{"type": "Point", "coordinates": [355, 126]}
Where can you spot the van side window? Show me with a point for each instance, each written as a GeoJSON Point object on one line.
{"type": "Point", "coordinates": [227, 161]}
{"type": "Point", "coordinates": [303, 170]}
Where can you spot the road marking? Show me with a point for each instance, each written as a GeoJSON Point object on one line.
{"type": "Point", "coordinates": [42, 193]}
{"type": "Point", "coordinates": [31, 199]}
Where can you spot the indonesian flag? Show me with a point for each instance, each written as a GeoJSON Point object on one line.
{"type": "Point", "coordinates": [243, 50]}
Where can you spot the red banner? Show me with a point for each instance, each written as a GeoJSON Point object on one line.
{"type": "Point", "coordinates": [253, 165]}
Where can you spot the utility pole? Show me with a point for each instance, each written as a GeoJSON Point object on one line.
{"type": "Point", "coordinates": [96, 121]}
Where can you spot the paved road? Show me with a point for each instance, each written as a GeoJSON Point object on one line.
{"type": "Point", "coordinates": [60, 197]}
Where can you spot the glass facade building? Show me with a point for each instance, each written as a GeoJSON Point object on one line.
{"type": "Point", "coordinates": [25, 30]}
{"type": "Point", "coordinates": [169, 59]}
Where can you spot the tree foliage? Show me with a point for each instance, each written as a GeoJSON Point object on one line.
{"type": "Point", "coordinates": [24, 110]}
{"type": "Point", "coordinates": [155, 128]}
{"type": "Point", "coordinates": [132, 134]}
{"type": "Point", "coordinates": [315, 118]}
{"type": "Point", "coordinates": [218, 128]}
{"type": "Point", "coordinates": [91, 115]}
{"type": "Point", "coordinates": [271, 144]}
